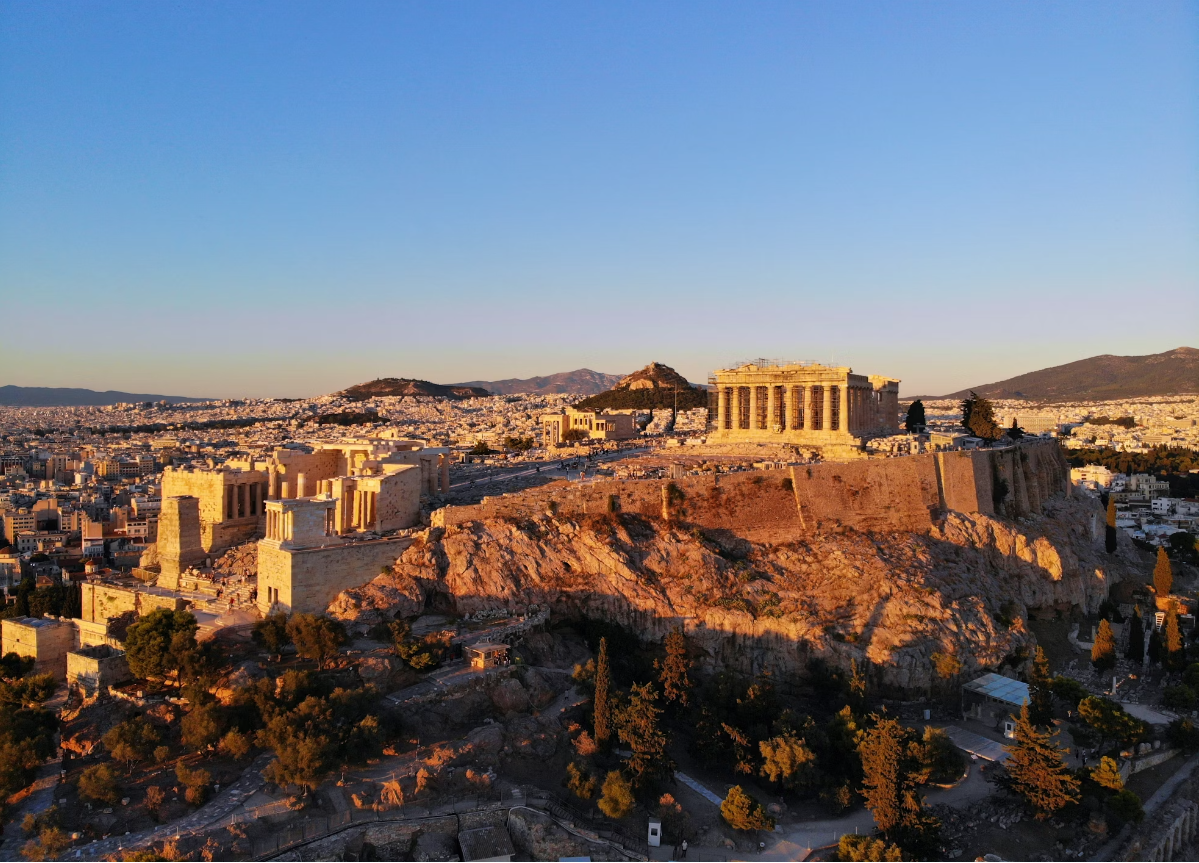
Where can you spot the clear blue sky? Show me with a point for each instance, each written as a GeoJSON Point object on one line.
{"type": "Point", "coordinates": [287, 198]}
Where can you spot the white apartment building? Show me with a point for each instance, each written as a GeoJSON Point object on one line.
{"type": "Point", "coordinates": [1093, 476]}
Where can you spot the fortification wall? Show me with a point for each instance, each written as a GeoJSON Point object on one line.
{"type": "Point", "coordinates": [905, 493]}
{"type": "Point", "coordinates": [308, 579]}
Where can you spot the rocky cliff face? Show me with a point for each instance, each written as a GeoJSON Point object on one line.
{"type": "Point", "coordinates": [888, 600]}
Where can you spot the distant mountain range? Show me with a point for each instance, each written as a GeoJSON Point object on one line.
{"type": "Point", "coordinates": [45, 397]}
{"type": "Point", "coordinates": [655, 386]}
{"type": "Point", "coordinates": [411, 387]}
{"type": "Point", "coordinates": [1101, 378]}
{"type": "Point", "coordinates": [580, 381]}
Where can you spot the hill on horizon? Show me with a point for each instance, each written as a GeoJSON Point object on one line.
{"type": "Point", "coordinates": [654, 386]}
{"type": "Point", "coordinates": [47, 397]}
{"type": "Point", "coordinates": [1101, 378]}
{"type": "Point", "coordinates": [582, 381]}
{"type": "Point", "coordinates": [410, 387]}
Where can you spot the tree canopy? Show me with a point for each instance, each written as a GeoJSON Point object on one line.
{"type": "Point", "coordinates": [150, 645]}
{"type": "Point", "coordinates": [600, 702]}
{"type": "Point", "coordinates": [1163, 574]}
{"type": "Point", "coordinates": [616, 798]}
{"type": "Point", "coordinates": [1037, 771]}
{"type": "Point", "coordinates": [639, 729]}
{"type": "Point", "coordinates": [915, 420]}
{"type": "Point", "coordinates": [978, 417]}
{"type": "Point", "coordinates": [891, 773]}
{"type": "Point", "coordinates": [1040, 689]}
{"type": "Point", "coordinates": [1103, 651]}
{"type": "Point", "coordinates": [316, 637]}
{"type": "Point", "coordinates": [673, 670]}
{"type": "Point", "coordinates": [271, 632]}
{"type": "Point", "coordinates": [742, 811]}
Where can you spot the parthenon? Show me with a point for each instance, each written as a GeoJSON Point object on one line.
{"type": "Point", "coordinates": [801, 403]}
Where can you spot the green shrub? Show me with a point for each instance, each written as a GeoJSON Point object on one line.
{"type": "Point", "coordinates": [1179, 698]}
{"type": "Point", "coordinates": [98, 783]}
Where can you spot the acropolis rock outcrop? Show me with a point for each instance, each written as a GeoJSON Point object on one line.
{"type": "Point", "coordinates": [758, 599]}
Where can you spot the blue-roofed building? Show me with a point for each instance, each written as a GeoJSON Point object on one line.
{"type": "Point", "coordinates": [994, 700]}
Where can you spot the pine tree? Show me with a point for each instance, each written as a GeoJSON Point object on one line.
{"type": "Point", "coordinates": [600, 702]}
{"type": "Point", "coordinates": [1103, 651]}
{"type": "Point", "coordinates": [1176, 654]}
{"type": "Point", "coordinates": [1040, 692]}
{"type": "Point", "coordinates": [890, 775]}
{"type": "Point", "coordinates": [978, 416]}
{"type": "Point", "coordinates": [1109, 539]}
{"type": "Point", "coordinates": [672, 672]}
{"type": "Point", "coordinates": [1163, 576]}
{"type": "Point", "coordinates": [1037, 770]}
{"type": "Point", "coordinates": [640, 731]}
{"type": "Point", "coordinates": [1136, 637]}
{"type": "Point", "coordinates": [881, 749]}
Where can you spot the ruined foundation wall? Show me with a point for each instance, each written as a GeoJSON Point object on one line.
{"type": "Point", "coordinates": [47, 643]}
{"type": "Point", "coordinates": [102, 602]}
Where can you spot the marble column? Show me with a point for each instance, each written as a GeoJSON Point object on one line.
{"type": "Point", "coordinates": [753, 406]}
{"type": "Point", "coordinates": [722, 405]}
{"type": "Point", "coordinates": [771, 406]}
{"type": "Point", "coordinates": [843, 392]}
{"type": "Point", "coordinates": [810, 404]}
{"type": "Point", "coordinates": [827, 411]}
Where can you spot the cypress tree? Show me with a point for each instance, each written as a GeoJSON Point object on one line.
{"type": "Point", "coordinates": [1136, 637]}
{"type": "Point", "coordinates": [1040, 693]}
{"type": "Point", "coordinates": [1163, 576]}
{"type": "Point", "coordinates": [1176, 654]}
{"type": "Point", "coordinates": [915, 420]}
{"type": "Point", "coordinates": [1037, 771]}
{"type": "Point", "coordinates": [1109, 540]}
{"type": "Point", "coordinates": [1103, 651]}
{"type": "Point", "coordinates": [603, 685]}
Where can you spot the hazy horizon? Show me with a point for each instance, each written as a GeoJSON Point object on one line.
{"type": "Point", "coordinates": [286, 199]}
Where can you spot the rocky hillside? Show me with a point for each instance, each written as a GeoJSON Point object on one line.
{"type": "Point", "coordinates": [888, 600]}
{"type": "Point", "coordinates": [580, 382]}
{"type": "Point", "coordinates": [1103, 377]}
{"type": "Point", "coordinates": [655, 386]}
{"type": "Point", "coordinates": [410, 387]}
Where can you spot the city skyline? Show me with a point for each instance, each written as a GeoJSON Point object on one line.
{"type": "Point", "coordinates": [284, 201]}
